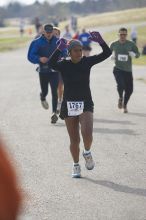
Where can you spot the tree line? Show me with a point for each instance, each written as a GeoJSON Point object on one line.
{"type": "Point", "coordinates": [62, 10]}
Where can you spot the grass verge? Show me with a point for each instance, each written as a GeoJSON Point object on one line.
{"type": "Point", "coordinates": [141, 80]}
{"type": "Point", "coordinates": [110, 18]}
{"type": "Point", "coordinates": [7, 44]}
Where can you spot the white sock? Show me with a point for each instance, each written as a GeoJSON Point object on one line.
{"type": "Point", "coordinates": [87, 151]}
{"type": "Point", "coordinates": [75, 164]}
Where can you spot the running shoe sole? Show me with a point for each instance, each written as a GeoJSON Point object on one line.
{"type": "Point", "coordinates": [76, 176]}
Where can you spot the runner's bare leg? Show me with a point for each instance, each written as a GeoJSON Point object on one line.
{"type": "Point", "coordinates": [86, 121]}
{"type": "Point", "coordinates": [72, 124]}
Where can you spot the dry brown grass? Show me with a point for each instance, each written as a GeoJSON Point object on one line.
{"type": "Point", "coordinates": [110, 18]}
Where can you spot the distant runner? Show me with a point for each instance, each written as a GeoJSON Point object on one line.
{"type": "Point", "coordinates": [67, 35]}
{"type": "Point", "coordinates": [57, 32]}
{"type": "Point", "coordinates": [84, 38]}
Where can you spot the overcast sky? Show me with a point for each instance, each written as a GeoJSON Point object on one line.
{"type": "Point", "coordinates": [5, 2]}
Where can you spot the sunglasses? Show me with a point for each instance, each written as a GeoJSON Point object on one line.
{"type": "Point", "coordinates": [123, 34]}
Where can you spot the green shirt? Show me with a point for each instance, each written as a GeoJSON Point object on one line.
{"type": "Point", "coordinates": [121, 51]}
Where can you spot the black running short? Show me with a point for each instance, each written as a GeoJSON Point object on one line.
{"type": "Point", "coordinates": [88, 107]}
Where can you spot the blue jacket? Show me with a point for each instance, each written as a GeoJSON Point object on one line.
{"type": "Point", "coordinates": [41, 47]}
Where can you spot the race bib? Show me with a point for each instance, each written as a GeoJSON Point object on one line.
{"type": "Point", "coordinates": [122, 57]}
{"type": "Point", "coordinates": [84, 39]}
{"type": "Point", "coordinates": [75, 108]}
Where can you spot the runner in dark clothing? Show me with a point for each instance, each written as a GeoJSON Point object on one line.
{"type": "Point", "coordinates": [84, 38]}
{"type": "Point", "coordinates": [77, 106]}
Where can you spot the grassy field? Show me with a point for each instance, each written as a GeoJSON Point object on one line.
{"type": "Point", "coordinates": [9, 31]}
{"type": "Point", "coordinates": [140, 61]}
{"type": "Point", "coordinates": [11, 43]}
{"type": "Point", "coordinates": [10, 38]}
{"type": "Point", "coordinates": [111, 18]}
{"type": "Point", "coordinates": [142, 80]}
{"type": "Point", "coordinates": [119, 17]}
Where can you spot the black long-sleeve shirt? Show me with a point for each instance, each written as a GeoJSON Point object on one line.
{"type": "Point", "coordinates": [76, 76]}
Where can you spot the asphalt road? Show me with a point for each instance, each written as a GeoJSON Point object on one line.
{"type": "Point", "coordinates": [116, 188]}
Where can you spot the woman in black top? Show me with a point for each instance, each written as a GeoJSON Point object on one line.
{"type": "Point", "coordinates": [77, 105]}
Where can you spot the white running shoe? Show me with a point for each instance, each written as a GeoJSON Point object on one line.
{"type": "Point", "coordinates": [45, 104]}
{"type": "Point", "coordinates": [89, 162]}
{"type": "Point", "coordinates": [76, 171]}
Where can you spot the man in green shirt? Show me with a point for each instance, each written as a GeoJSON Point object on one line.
{"type": "Point", "coordinates": [123, 51]}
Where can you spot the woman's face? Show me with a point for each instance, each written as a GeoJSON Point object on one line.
{"type": "Point", "coordinates": [76, 54]}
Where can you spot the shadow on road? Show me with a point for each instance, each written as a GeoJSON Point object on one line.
{"type": "Point", "coordinates": [137, 114]}
{"type": "Point", "coordinates": [59, 124]}
{"type": "Point", "coordinates": [114, 131]}
{"type": "Point", "coordinates": [113, 121]}
{"type": "Point", "coordinates": [118, 187]}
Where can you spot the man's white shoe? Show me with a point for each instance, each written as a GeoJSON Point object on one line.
{"type": "Point", "coordinates": [45, 104]}
{"type": "Point", "coordinates": [76, 171]}
{"type": "Point", "coordinates": [89, 163]}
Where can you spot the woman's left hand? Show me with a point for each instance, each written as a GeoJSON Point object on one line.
{"type": "Point", "coordinates": [96, 37]}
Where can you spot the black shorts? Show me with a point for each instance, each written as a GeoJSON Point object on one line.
{"type": "Point", "coordinates": [88, 107]}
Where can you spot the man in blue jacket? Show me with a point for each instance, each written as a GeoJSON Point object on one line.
{"type": "Point", "coordinates": [39, 52]}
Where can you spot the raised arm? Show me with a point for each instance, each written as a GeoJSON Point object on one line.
{"type": "Point", "coordinates": [96, 37]}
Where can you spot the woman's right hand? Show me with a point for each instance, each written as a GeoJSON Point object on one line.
{"type": "Point", "coordinates": [96, 37]}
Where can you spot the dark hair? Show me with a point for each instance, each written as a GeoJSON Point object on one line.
{"type": "Point", "coordinates": [123, 29]}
